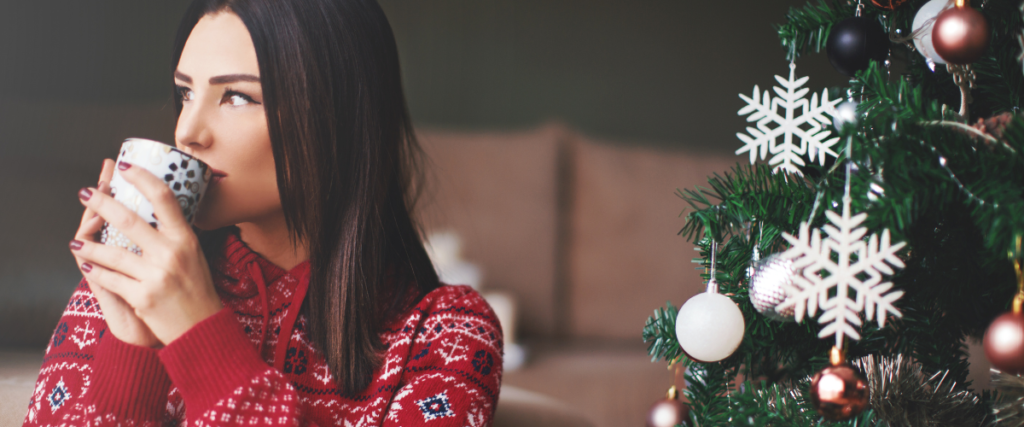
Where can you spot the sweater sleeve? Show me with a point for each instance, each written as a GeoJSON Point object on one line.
{"type": "Point", "coordinates": [90, 377]}
{"type": "Point", "coordinates": [453, 376]}
{"type": "Point", "coordinates": [224, 381]}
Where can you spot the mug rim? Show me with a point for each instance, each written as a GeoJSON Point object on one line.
{"type": "Point", "coordinates": [189, 156]}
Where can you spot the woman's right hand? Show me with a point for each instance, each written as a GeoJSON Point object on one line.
{"type": "Point", "coordinates": [120, 316]}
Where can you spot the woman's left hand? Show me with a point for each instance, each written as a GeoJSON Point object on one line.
{"type": "Point", "coordinates": [169, 286]}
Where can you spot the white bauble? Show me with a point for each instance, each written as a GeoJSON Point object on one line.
{"type": "Point", "coordinates": [709, 327]}
{"type": "Point", "coordinates": [923, 37]}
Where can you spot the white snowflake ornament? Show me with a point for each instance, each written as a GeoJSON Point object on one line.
{"type": "Point", "coordinates": [858, 267]}
{"type": "Point", "coordinates": [807, 127]}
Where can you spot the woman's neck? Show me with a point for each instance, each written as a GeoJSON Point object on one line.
{"type": "Point", "coordinates": [269, 238]}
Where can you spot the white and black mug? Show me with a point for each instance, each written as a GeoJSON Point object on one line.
{"type": "Point", "coordinates": [186, 176]}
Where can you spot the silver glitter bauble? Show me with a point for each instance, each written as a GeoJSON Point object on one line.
{"type": "Point", "coordinates": [846, 113]}
{"type": "Point", "coordinates": [767, 289]}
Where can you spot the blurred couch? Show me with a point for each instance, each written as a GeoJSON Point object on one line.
{"type": "Point", "coordinates": [583, 234]}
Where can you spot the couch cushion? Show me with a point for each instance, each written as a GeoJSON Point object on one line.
{"type": "Point", "coordinates": [522, 408]}
{"type": "Point", "coordinates": [625, 258]}
{"type": "Point", "coordinates": [498, 192]}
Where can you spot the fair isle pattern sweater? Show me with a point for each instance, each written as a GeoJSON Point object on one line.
{"type": "Point", "coordinates": [442, 366]}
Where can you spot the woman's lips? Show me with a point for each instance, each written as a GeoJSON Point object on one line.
{"type": "Point", "coordinates": [217, 175]}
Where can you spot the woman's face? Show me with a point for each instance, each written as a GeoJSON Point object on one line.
{"type": "Point", "coordinates": [223, 123]}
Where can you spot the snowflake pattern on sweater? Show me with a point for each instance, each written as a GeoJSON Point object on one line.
{"type": "Point", "coordinates": [442, 366]}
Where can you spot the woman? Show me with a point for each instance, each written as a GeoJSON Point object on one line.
{"type": "Point", "coordinates": [318, 305]}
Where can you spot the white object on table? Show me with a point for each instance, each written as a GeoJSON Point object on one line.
{"type": "Point", "coordinates": [445, 251]}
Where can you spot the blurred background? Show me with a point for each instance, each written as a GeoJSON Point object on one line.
{"type": "Point", "coordinates": [558, 132]}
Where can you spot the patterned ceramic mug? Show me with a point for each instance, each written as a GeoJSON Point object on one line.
{"type": "Point", "coordinates": [186, 176]}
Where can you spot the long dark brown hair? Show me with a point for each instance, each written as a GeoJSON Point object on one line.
{"type": "Point", "coordinates": [346, 158]}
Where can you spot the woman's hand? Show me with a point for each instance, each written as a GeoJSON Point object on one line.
{"type": "Point", "coordinates": [121, 319]}
{"type": "Point", "coordinates": [169, 287]}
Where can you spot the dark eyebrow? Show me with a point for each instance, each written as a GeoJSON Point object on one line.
{"type": "Point", "coordinates": [231, 78]}
{"type": "Point", "coordinates": [182, 76]}
{"type": "Point", "coordinates": [219, 80]}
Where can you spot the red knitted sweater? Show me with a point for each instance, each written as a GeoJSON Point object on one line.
{"type": "Point", "coordinates": [442, 366]}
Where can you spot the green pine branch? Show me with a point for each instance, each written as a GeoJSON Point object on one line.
{"type": "Point", "coordinates": [808, 27]}
{"type": "Point", "coordinates": [952, 193]}
{"type": "Point", "coordinates": [707, 393]}
{"type": "Point", "coordinates": [775, 405]}
{"type": "Point", "coordinates": [660, 334]}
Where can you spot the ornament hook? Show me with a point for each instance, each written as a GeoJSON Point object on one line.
{"type": "Point", "coordinates": [1018, 300]}
{"type": "Point", "coordinates": [757, 245]}
{"type": "Point", "coordinates": [755, 255]}
{"type": "Point", "coordinates": [837, 356]}
{"type": "Point", "coordinates": [849, 169]}
{"type": "Point", "coordinates": [712, 287]}
{"type": "Point", "coordinates": [673, 393]}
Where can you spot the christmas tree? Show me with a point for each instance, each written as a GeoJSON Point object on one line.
{"type": "Point", "coordinates": [867, 233]}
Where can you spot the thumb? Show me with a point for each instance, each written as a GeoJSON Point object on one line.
{"type": "Point", "coordinates": [108, 171]}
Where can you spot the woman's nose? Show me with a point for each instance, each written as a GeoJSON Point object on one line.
{"type": "Point", "coordinates": [193, 131]}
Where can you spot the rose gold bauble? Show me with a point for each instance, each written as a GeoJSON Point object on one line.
{"type": "Point", "coordinates": [960, 35]}
{"type": "Point", "coordinates": [668, 412]}
{"type": "Point", "coordinates": [888, 4]}
{"type": "Point", "coordinates": [1004, 343]}
{"type": "Point", "coordinates": [839, 392]}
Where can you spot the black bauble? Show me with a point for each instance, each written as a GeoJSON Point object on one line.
{"type": "Point", "coordinates": [855, 41]}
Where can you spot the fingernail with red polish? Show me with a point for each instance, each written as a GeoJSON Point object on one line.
{"type": "Point", "coordinates": [124, 165]}
{"type": "Point", "coordinates": [87, 267]}
{"type": "Point", "coordinates": [85, 193]}
{"type": "Point", "coordinates": [76, 244]}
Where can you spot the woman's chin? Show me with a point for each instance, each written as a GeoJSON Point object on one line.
{"type": "Point", "coordinates": [204, 222]}
{"type": "Point", "coordinates": [201, 226]}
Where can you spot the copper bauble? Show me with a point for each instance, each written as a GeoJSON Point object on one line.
{"type": "Point", "coordinates": [960, 35]}
{"type": "Point", "coordinates": [1004, 343]}
{"type": "Point", "coordinates": [668, 412]}
{"type": "Point", "coordinates": [839, 392]}
{"type": "Point", "coordinates": [888, 4]}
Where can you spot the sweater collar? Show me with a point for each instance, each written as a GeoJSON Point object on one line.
{"type": "Point", "coordinates": [238, 255]}
{"type": "Point", "coordinates": [239, 261]}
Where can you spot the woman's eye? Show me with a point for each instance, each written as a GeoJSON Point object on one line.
{"type": "Point", "coordinates": [186, 93]}
{"type": "Point", "coordinates": [238, 99]}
